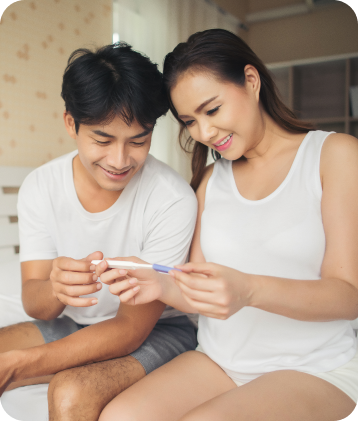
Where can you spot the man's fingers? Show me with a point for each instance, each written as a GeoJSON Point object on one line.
{"type": "Point", "coordinates": [97, 255]}
{"type": "Point", "coordinates": [77, 301]}
{"type": "Point", "coordinates": [77, 290]}
{"type": "Point", "coordinates": [75, 278]}
{"type": "Point", "coordinates": [72, 265]}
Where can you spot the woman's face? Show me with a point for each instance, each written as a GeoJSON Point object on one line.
{"type": "Point", "coordinates": [222, 115]}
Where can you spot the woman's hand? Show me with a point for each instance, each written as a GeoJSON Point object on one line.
{"type": "Point", "coordinates": [139, 286]}
{"type": "Point", "coordinates": [214, 290]}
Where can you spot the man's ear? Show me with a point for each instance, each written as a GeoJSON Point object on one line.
{"type": "Point", "coordinates": [70, 124]}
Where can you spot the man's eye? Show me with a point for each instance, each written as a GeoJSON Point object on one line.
{"type": "Point", "coordinates": [102, 143]}
{"type": "Point", "coordinates": [138, 143]}
{"type": "Point", "coordinates": [213, 110]}
{"type": "Point", "coordinates": [188, 123]}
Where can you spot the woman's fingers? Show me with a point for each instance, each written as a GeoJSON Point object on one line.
{"type": "Point", "coordinates": [194, 281]}
{"type": "Point", "coordinates": [117, 288]}
{"type": "Point", "coordinates": [208, 310]}
{"type": "Point", "coordinates": [201, 295]}
{"type": "Point", "coordinates": [208, 269]}
{"type": "Point", "coordinates": [113, 275]}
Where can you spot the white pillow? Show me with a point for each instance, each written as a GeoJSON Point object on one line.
{"type": "Point", "coordinates": [10, 276]}
{"type": "Point", "coordinates": [11, 309]}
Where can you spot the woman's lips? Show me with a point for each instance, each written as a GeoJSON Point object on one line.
{"type": "Point", "coordinates": [115, 177]}
{"type": "Point", "coordinates": [226, 145]}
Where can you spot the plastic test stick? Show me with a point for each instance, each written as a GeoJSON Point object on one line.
{"type": "Point", "coordinates": [122, 264]}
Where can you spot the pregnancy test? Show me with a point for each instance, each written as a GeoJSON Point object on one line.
{"type": "Point", "coordinates": [122, 264]}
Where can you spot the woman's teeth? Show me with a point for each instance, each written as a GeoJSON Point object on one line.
{"type": "Point", "coordinates": [225, 140]}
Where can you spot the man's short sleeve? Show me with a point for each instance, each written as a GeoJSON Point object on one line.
{"type": "Point", "coordinates": [33, 209]}
{"type": "Point", "coordinates": [169, 231]}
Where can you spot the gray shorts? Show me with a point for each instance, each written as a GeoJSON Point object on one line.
{"type": "Point", "coordinates": [169, 338]}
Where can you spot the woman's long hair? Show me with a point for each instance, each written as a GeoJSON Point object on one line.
{"type": "Point", "coordinates": [225, 55]}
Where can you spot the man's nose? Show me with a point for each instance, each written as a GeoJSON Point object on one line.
{"type": "Point", "coordinates": [118, 157]}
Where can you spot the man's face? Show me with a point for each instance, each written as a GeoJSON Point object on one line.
{"type": "Point", "coordinates": [110, 154]}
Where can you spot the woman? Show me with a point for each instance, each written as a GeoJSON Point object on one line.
{"type": "Point", "coordinates": [278, 223]}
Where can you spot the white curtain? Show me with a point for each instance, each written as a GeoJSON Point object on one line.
{"type": "Point", "coordinates": [155, 27]}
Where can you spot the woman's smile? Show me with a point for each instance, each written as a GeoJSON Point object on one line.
{"type": "Point", "coordinates": [223, 144]}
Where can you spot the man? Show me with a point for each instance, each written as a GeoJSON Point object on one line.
{"type": "Point", "coordinates": [109, 196]}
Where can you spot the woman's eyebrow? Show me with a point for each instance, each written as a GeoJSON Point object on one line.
{"type": "Point", "coordinates": [200, 107]}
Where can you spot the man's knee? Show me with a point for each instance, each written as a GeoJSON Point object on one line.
{"type": "Point", "coordinates": [65, 391]}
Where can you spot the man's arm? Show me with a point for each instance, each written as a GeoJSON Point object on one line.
{"type": "Point", "coordinates": [106, 340]}
{"type": "Point", "coordinates": [49, 285]}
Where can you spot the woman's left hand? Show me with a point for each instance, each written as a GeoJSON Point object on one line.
{"type": "Point", "coordinates": [214, 290]}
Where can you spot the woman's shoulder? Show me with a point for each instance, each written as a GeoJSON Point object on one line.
{"type": "Point", "coordinates": [339, 153]}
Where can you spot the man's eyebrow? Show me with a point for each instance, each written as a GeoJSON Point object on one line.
{"type": "Point", "coordinates": [137, 136]}
{"type": "Point", "coordinates": [103, 134]}
{"type": "Point", "coordinates": [200, 107]}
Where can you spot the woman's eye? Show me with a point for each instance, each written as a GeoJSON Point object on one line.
{"type": "Point", "coordinates": [213, 110]}
{"type": "Point", "coordinates": [188, 123]}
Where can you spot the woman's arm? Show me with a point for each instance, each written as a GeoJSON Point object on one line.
{"type": "Point", "coordinates": [335, 295]}
{"type": "Point", "coordinates": [143, 286]}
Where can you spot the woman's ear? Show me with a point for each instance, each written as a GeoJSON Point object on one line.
{"type": "Point", "coordinates": [252, 80]}
{"type": "Point", "coordinates": [70, 124]}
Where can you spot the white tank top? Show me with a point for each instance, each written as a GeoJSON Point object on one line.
{"type": "Point", "coordinates": [281, 235]}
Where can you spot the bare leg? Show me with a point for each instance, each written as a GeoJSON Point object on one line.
{"type": "Point", "coordinates": [171, 391]}
{"type": "Point", "coordinates": [281, 395]}
{"type": "Point", "coordinates": [194, 388]}
{"type": "Point", "coordinates": [22, 336]}
{"type": "Point", "coordinates": [81, 393]}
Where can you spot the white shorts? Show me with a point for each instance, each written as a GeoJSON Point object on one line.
{"type": "Point", "coordinates": [344, 377]}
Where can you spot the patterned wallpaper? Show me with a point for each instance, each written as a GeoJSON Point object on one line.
{"type": "Point", "coordinates": [36, 39]}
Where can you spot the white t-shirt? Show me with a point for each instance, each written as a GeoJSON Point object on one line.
{"type": "Point", "coordinates": [152, 219]}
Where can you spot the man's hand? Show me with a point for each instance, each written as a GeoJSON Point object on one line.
{"type": "Point", "coordinates": [72, 278]}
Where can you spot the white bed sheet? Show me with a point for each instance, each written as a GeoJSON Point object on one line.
{"type": "Point", "coordinates": [25, 403]}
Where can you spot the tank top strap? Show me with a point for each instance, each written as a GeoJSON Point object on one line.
{"type": "Point", "coordinates": [308, 161]}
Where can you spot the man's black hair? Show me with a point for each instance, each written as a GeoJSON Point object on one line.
{"type": "Point", "coordinates": [113, 81]}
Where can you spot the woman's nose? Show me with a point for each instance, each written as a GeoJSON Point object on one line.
{"type": "Point", "coordinates": [207, 132]}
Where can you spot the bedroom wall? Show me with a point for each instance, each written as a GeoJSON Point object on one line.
{"type": "Point", "coordinates": [36, 39]}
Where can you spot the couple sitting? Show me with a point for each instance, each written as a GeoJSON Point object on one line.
{"type": "Point", "coordinates": [276, 219]}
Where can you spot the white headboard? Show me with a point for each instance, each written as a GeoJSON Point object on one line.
{"type": "Point", "coordinates": [11, 179]}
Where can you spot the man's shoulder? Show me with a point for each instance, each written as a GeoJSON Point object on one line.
{"type": "Point", "coordinates": [161, 178]}
{"type": "Point", "coordinates": [48, 175]}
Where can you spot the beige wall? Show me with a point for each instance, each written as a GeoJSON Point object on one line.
{"type": "Point", "coordinates": [238, 8]}
{"type": "Point", "coordinates": [323, 32]}
{"type": "Point", "coordinates": [36, 38]}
